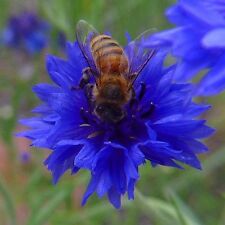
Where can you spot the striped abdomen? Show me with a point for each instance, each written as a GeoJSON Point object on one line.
{"type": "Point", "coordinates": [108, 55]}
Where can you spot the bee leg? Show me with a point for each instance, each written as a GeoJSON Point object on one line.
{"type": "Point", "coordinates": [84, 115]}
{"type": "Point", "coordinates": [133, 94]}
{"type": "Point", "coordinates": [142, 91]}
{"type": "Point", "coordinates": [88, 91]}
{"type": "Point", "coordinates": [132, 77]}
{"type": "Point", "coordinates": [133, 100]}
{"type": "Point", "coordinates": [149, 111]}
{"type": "Point", "coordinates": [86, 75]}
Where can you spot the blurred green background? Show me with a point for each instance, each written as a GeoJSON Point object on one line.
{"type": "Point", "coordinates": [165, 196]}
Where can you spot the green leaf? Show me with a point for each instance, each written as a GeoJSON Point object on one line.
{"type": "Point", "coordinates": [185, 215]}
{"type": "Point", "coordinates": [4, 10]}
{"type": "Point", "coordinates": [8, 202]}
{"type": "Point", "coordinates": [158, 209]}
{"type": "Point", "coordinates": [47, 210]}
{"type": "Point", "coordinates": [87, 214]}
{"type": "Point", "coordinates": [222, 218]}
{"type": "Point", "coordinates": [51, 198]}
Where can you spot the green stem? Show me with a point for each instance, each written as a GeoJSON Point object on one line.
{"type": "Point", "coordinates": [9, 205]}
{"type": "Point", "coordinates": [44, 213]}
{"type": "Point", "coordinates": [79, 218]}
{"type": "Point", "coordinates": [156, 206]}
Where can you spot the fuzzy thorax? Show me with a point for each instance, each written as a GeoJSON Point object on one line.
{"type": "Point", "coordinates": [112, 89]}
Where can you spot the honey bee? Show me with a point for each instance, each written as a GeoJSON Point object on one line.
{"type": "Point", "coordinates": [113, 71]}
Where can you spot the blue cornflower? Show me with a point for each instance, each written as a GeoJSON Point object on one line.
{"type": "Point", "coordinates": [197, 42]}
{"type": "Point", "coordinates": [160, 126]}
{"type": "Point", "coordinates": [25, 157]}
{"type": "Point", "coordinates": [26, 31]}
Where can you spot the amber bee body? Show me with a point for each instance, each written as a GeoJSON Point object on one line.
{"type": "Point", "coordinates": [109, 56]}
{"type": "Point", "coordinates": [111, 90]}
{"type": "Point", "coordinates": [111, 69]}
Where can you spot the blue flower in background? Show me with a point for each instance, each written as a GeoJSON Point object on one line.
{"type": "Point", "coordinates": [198, 41]}
{"type": "Point", "coordinates": [26, 31]}
{"type": "Point", "coordinates": [160, 126]}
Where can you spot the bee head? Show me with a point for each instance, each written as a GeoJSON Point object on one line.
{"type": "Point", "coordinates": [109, 112]}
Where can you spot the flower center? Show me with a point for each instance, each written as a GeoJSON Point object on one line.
{"type": "Point", "coordinates": [138, 108]}
{"type": "Point", "coordinates": [130, 128]}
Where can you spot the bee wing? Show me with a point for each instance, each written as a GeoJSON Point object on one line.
{"type": "Point", "coordinates": [84, 34]}
{"type": "Point", "coordinates": [138, 55]}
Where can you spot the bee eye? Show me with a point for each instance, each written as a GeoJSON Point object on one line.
{"type": "Point", "coordinates": [99, 108]}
